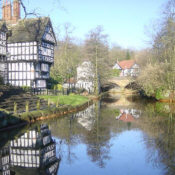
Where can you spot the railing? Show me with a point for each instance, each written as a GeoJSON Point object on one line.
{"type": "Point", "coordinates": [39, 91]}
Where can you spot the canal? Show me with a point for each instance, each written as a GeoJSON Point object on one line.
{"type": "Point", "coordinates": [117, 135]}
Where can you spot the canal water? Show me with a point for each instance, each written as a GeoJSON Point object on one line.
{"type": "Point", "coordinates": [118, 135]}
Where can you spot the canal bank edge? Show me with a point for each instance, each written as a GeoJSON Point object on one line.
{"type": "Point", "coordinates": [15, 121]}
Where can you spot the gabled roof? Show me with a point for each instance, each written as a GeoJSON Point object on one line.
{"type": "Point", "coordinates": [3, 26]}
{"type": "Point", "coordinates": [27, 30]}
{"type": "Point", "coordinates": [126, 117]}
{"type": "Point", "coordinates": [126, 64]}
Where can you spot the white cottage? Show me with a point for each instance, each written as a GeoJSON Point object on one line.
{"type": "Point", "coordinates": [85, 76]}
{"type": "Point", "coordinates": [127, 68]}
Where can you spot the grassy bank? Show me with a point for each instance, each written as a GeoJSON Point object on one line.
{"type": "Point", "coordinates": [72, 100]}
{"type": "Point", "coordinates": [67, 104]}
{"type": "Point", "coordinates": [9, 120]}
{"type": "Point", "coordinates": [52, 112]}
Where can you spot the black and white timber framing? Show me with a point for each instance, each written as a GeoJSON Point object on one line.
{"type": "Point", "coordinates": [3, 50]}
{"type": "Point", "coordinates": [34, 149]}
{"type": "Point", "coordinates": [30, 52]}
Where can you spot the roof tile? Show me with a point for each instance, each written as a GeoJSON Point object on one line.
{"type": "Point", "coordinates": [126, 64]}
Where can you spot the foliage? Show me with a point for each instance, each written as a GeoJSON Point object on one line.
{"type": "Point", "coordinates": [67, 57]}
{"type": "Point", "coordinates": [160, 108]}
{"type": "Point", "coordinates": [116, 72]}
{"type": "Point", "coordinates": [53, 80]}
{"type": "Point", "coordinates": [1, 80]}
{"type": "Point", "coordinates": [117, 53]}
{"type": "Point", "coordinates": [159, 93]}
{"type": "Point", "coordinates": [58, 87]}
{"type": "Point", "coordinates": [26, 88]}
{"type": "Point", "coordinates": [160, 69]}
{"type": "Point", "coordinates": [152, 82]}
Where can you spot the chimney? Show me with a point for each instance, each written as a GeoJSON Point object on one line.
{"type": "Point", "coordinates": [7, 10]}
{"type": "Point", "coordinates": [16, 11]}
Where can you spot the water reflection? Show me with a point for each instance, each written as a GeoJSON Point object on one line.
{"type": "Point", "coordinates": [128, 115]}
{"type": "Point", "coordinates": [86, 118]}
{"type": "Point", "coordinates": [104, 139]}
{"type": "Point", "coordinates": [34, 150]}
{"type": "Point", "coordinates": [95, 136]}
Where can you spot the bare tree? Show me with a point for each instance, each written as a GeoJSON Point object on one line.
{"type": "Point", "coordinates": [96, 48]}
{"type": "Point", "coordinates": [163, 55]}
{"type": "Point", "coordinates": [67, 56]}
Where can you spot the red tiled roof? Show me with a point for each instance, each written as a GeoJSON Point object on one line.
{"type": "Point", "coordinates": [126, 64]}
{"type": "Point", "coordinates": [126, 117]}
{"type": "Point", "coordinates": [72, 80]}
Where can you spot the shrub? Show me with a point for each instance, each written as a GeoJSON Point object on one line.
{"type": "Point", "coordinates": [1, 80]}
{"type": "Point", "coordinates": [59, 87]}
{"type": "Point", "coordinates": [26, 88]}
{"type": "Point", "coordinates": [115, 72]}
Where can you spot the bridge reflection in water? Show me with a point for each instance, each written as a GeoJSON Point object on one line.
{"type": "Point", "coordinates": [33, 153]}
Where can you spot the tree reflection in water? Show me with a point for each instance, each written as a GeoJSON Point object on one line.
{"type": "Point", "coordinates": [97, 125]}
{"type": "Point", "coordinates": [98, 146]}
{"type": "Point", "coordinates": [160, 140]}
{"type": "Point", "coordinates": [94, 130]}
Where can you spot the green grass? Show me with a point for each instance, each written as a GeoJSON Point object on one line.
{"type": "Point", "coordinates": [71, 99]}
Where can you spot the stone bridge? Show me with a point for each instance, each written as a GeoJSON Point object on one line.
{"type": "Point", "coordinates": [122, 82]}
{"type": "Point", "coordinates": [118, 83]}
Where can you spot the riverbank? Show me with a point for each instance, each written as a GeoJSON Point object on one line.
{"type": "Point", "coordinates": [72, 99]}
{"type": "Point", "coordinates": [61, 105]}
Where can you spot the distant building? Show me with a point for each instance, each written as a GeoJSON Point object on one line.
{"type": "Point", "coordinates": [85, 76]}
{"type": "Point", "coordinates": [127, 68]}
{"type": "Point", "coordinates": [70, 83]}
{"type": "Point", "coordinates": [30, 48]}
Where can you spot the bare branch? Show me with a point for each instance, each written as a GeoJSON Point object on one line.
{"type": "Point", "coordinates": [33, 13]}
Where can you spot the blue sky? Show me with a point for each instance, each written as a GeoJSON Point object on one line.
{"type": "Point", "coordinates": [123, 20]}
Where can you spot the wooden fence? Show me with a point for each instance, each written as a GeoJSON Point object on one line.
{"type": "Point", "coordinates": [52, 91]}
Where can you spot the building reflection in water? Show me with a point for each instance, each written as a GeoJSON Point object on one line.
{"type": "Point", "coordinates": [86, 118]}
{"type": "Point", "coordinates": [34, 150]}
{"type": "Point", "coordinates": [128, 115]}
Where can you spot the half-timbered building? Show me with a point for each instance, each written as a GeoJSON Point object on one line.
{"type": "Point", "coordinates": [4, 161]}
{"type": "Point", "coordinates": [3, 50]}
{"type": "Point", "coordinates": [30, 47]}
